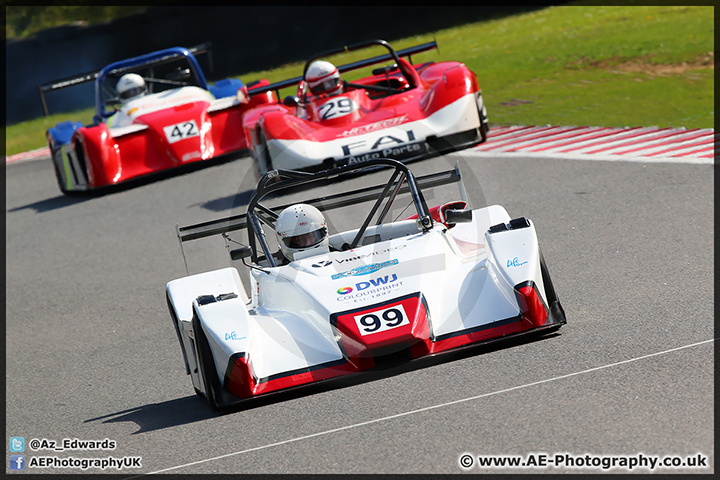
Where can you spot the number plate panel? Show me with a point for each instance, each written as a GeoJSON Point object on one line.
{"type": "Point", "coordinates": [337, 107]}
{"type": "Point", "coordinates": [381, 320]}
{"type": "Point", "coordinates": [181, 131]}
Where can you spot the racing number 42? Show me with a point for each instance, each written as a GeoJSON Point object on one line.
{"type": "Point", "coordinates": [180, 131]}
{"type": "Point", "coordinates": [381, 320]}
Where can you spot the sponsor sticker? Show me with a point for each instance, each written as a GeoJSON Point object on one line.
{"type": "Point", "coordinates": [372, 127]}
{"type": "Point", "coordinates": [381, 320]}
{"type": "Point", "coordinates": [399, 146]}
{"type": "Point", "coordinates": [365, 269]}
{"type": "Point", "coordinates": [515, 262]}
{"type": "Point", "coordinates": [181, 131]}
{"type": "Point", "coordinates": [370, 290]}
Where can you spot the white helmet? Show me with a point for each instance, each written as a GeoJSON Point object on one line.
{"type": "Point", "coordinates": [301, 228]}
{"type": "Point", "coordinates": [323, 77]}
{"type": "Point", "coordinates": [130, 86]}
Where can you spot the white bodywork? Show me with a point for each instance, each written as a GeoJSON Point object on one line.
{"type": "Point", "coordinates": [465, 273]}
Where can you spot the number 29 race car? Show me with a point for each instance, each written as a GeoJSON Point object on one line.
{"type": "Point", "coordinates": [153, 113]}
{"type": "Point", "coordinates": [317, 300]}
{"type": "Point", "coordinates": [400, 111]}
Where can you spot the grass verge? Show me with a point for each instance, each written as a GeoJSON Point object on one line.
{"type": "Point", "coordinates": [610, 66]}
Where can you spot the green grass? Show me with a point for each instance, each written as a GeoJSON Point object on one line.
{"type": "Point", "coordinates": [24, 20]}
{"type": "Point", "coordinates": [571, 65]}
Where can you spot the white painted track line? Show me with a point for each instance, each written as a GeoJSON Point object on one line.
{"type": "Point", "coordinates": [433, 407]}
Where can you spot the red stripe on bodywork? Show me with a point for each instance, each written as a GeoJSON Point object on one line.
{"type": "Point", "coordinates": [243, 384]}
{"type": "Point", "coordinates": [533, 308]}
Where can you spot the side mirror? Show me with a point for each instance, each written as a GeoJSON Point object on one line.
{"type": "Point", "coordinates": [458, 216]}
{"type": "Point", "coordinates": [179, 74]}
{"type": "Point", "coordinates": [291, 101]}
{"type": "Point", "coordinates": [424, 223]}
{"type": "Point", "coordinates": [385, 70]}
{"type": "Point", "coordinates": [240, 253]}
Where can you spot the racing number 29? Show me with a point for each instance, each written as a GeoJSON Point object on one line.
{"type": "Point", "coordinates": [381, 320]}
{"type": "Point", "coordinates": [336, 107]}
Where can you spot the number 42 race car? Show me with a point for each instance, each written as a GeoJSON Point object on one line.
{"type": "Point", "coordinates": [385, 290]}
{"type": "Point", "coordinates": [400, 111]}
{"type": "Point", "coordinates": [177, 119]}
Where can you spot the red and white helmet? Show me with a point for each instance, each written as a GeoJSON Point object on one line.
{"type": "Point", "coordinates": [301, 231]}
{"type": "Point", "coordinates": [323, 78]}
{"type": "Point", "coordinates": [130, 86]}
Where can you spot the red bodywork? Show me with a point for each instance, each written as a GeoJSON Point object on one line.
{"type": "Point", "coordinates": [363, 351]}
{"type": "Point", "coordinates": [436, 85]}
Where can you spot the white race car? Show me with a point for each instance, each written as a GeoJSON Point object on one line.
{"type": "Point", "coordinates": [386, 290]}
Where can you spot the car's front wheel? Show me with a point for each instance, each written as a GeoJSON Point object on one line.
{"type": "Point", "coordinates": [57, 159]}
{"type": "Point", "coordinates": [207, 365]}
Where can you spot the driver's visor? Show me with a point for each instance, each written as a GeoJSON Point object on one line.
{"type": "Point", "coordinates": [133, 92]}
{"type": "Point", "coordinates": [305, 240]}
{"type": "Point", "coordinates": [325, 85]}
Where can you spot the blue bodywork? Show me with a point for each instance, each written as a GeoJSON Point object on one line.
{"type": "Point", "coordinates": [227, 87]}
{"type": "Point", "coordinates": [62, 133]}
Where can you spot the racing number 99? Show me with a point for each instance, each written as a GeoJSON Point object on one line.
{"type": "Point", "coordinates": [382, 320]}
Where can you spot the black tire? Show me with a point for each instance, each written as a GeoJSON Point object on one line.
{"type": "Point", "coordinates": [482, 113]}
{"type": "Point", "coordinates": [553, 301]}
{"type": "Point", "coordinates": [176, 324]}
{"type": "Point", "coordinates": [57, 159]}
{"type": "Point", "coordinates": [483, 132]}
{"type": "Point", "coordinates": [207, 365]}
{"type": "Point", "coordinates": [547, 282]}
{"type": "Point", "coordinates": [58, 175]}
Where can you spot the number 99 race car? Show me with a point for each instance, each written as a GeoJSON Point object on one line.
{"type": "Point", "coordinates": [153, 113]}
{"type": "Point", "coordinates": [400, 111]}
{"type": "Point", "coordinates": [317, 300]}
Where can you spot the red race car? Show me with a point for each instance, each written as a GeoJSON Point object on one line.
{"type": "Point", "coordinates": [401, 111]}
{"type": "Point", "coordinates": [153, 113]}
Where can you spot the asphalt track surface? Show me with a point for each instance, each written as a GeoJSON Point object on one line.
{"type": "Point", "coordinates": [92, 354]}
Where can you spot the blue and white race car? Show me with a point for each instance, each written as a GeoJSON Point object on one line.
{"type": "Point", "coordinates": [153, 113]}
{"type": "Point", "coordinates": [304, 300]}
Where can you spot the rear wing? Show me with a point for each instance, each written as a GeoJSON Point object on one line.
{"type": "Point", "coordinates": [407, 52]}
{"type": "Point", "coordinates": [232, 223]}
{"type": "Point", "coordinates": [91, 76]}
{"type": "Point", "coordinates": [276, 180]}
